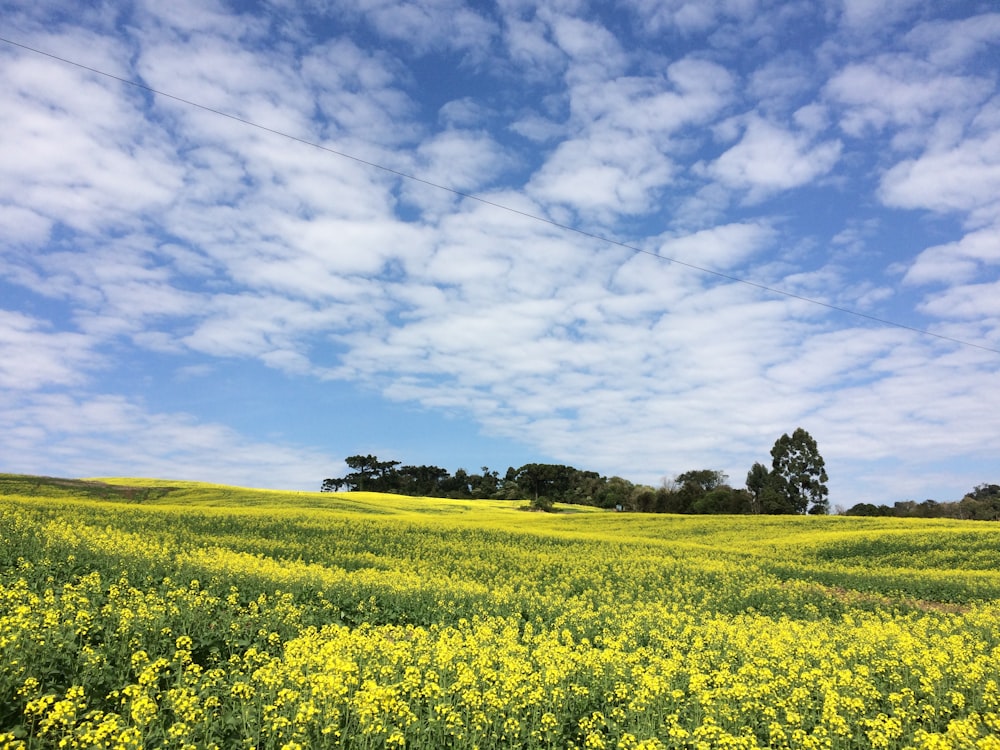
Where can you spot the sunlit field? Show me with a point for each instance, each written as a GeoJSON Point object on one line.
{"type": "Point", "coordinates": [184, 615]}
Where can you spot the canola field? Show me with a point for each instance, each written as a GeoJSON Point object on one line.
{"type": "Point", "coordinates": [182, 615]}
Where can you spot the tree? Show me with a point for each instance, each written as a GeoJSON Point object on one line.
{"type": "Point", "coordinates": [983, 503]}
{"type": "Point", "coordinates": [369, 474]}
{"type": "Point", "coordinates": [643, 499]}
{"type": "Point", "coordinates": [615, 493]}
{"type": "Point", "coordinates": [757, 480]}
{"type": "Point", "coordinates": [459, 485]}
{"type": "Point", "coordinates": [706, 491]}
{"type": "Point", "coordinates": [985, 492]}
{"type": "Point", "coordinates": [723, 499]}
{"type": "Point", "coordinates": [546, 483]}
{"type": "Point", "coordinates": [699, 481]}
{"type": "Point", "coordinates": [421, 480]}
{"type": "Point", "coordinates": [509, 489]}
{"type": "Point", "coordinates": [797, 463]}
{"type": "Point", "coordinates": [768, 492]}
{"type": "Point", "coordinates": [333, 485]}
{"type": "Point", "coordinates": [868, 509]}
{"type": "Point", "coordinates": [486, 484]}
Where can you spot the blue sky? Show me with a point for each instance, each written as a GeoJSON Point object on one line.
{"type": "Point", "coordinates": [186, 296]}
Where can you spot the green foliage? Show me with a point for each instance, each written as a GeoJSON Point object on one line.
{"type": "Point", "coordinates": [797, 463]}
{"type": "Point", "coordinates": [695, 484]}
{"type": "Point", "coordinates": [981, 504]}
{"type": "Point", "coordinates": [615, 493]}
{"type": "Point", "coordinates": [795, 484]}
{"type": "Point", "coordinates": [218, 617]}
{"type": "Point", "coordinates": [701, 491]}
{"type": "Point", "coordinates": [545, 483]}
{"type": "Point", "coordinates": [757, 482]}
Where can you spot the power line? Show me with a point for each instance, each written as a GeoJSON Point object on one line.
{"type": "Point", "coordinates": [502, 207]}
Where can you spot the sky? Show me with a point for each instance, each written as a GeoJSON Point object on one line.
{"type": "Point", "coordinates": [638, 238]}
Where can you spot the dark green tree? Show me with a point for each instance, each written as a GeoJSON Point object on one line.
{"type": "Point", "coordinates": [757, 480]}
{"type": "Point", "coordinates": [776, 499]}
{"type": "Point", "coordinates": [585, 487]}
{"type": "Point", "coordinates": [868, 509]}
{"type": "Point", "coordinates": [545, 483]}
{"type": "Point", "coordinates": [458, 485]}
{"type": "Point", "coordinates": [983, 503]}
{"type": "Point", "coordinates": [615, 493]}
{"type": "Point", "coordinates": [643, 499]}
{"type": "Point", "coordinates": [695, 484]}
{"type": "Point", "coordinates": [768, 492]}
{"type": "Point", "coordinates": [423, 481]}
{"type": "Point", "coordinates": [700, 481]}
{"type": "Point", "coordinates": [486, 484]}
{"type": "Point", "coordinates": [796, 461]}
{"type": "Point", "coordinates": [509, 489]}
{"type": "Point", "coordinates": [669, 498]}
{"type": "Point", "coordinates": [369, 475]}
{"type": "Point", "coordinates": [985, 492]}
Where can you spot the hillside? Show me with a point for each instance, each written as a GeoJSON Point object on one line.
{"type": "Point", "coordinates": [149, 612]}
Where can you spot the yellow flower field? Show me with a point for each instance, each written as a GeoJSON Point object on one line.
{"type": "Point", "coordinates": [184, 615]}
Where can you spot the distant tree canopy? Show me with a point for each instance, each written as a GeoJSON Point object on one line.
{"type": "Point", "coordinates": [369, 475]}
{"type": "Point", "coordinates": [981, 504]}
{"type": "Point", "coordinates": [795, 483]}
{"type": "Point", "coordinates": [372, 475]}
{"type": "Point", "coordinates": [697, 491]}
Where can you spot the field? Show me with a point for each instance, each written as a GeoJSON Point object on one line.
{"type": "Point", "coordinates": [141, 614]}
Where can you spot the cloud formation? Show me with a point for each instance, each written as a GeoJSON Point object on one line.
{"type": "Point", "coordinates": [151, 246]}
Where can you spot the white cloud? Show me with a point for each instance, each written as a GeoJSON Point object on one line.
{"type": "Point", "coordinates": [358, 95]}
{"type": "Point", "coordinates": [162, 227]}
{"type": "Point", "coordinates": [963, 178]}
{"type": "Point", "coordinates": [955, 42]}
{"type": "Point", "coordinates": [222, 74]}
{"type": "Point", "coordinates": [874, 16]}
{"type": "Point", "coordinates": [463, 113]}
{"type": "Point", "coordinates": [270, 327]}
{"type": "Point", "coordinates": [530, 48]}
{"type": "Point", "coordinates": [974, 302]}
{"type": "Point", "coordinates": [781, 80]}
{"type": "Point", "coordinates": [118, 288]}
{"type": "Point", "coordinates": [617, 163]}
{"type": "Point", "coordinates": [770, 159]}
{"type": "Point", "coordinates": [106, 435]}
{"type": "Point", "coordinates": [202, 17]}
{"type": "Point", "coordinates": [912, 399]}
{"type": "Point", "coordinates": [537, 128]}
{"type": "Point", "coordinates": [689, 16]}
{"type": "Point", "coordinates": [956, 262]}
{"type": "Point", "coordinates": [425, 25]}
{"type": "Point", "coordinates": [594, 52]}
{"type": "Point", "coordinates": [690, 92]}
{"type": "Point", "coordinates": [109, 167]}
{"type": "Point", "coordinates": [719, 247]}
{"type": "Point", "coordinates": [24, 225]}
{"type": "Point", "coordinates": [34, 356]}
{"type": "Point", "coordinates": [899, 91]}
{"type": "Point", "coordinates": [461, 160]}
{"type": "Point", "coordinates": [600, 177]}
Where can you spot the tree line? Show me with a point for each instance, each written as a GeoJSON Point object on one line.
{"type": "Point", "coordinates": [981, 504]}
{"type": "Point", "coordinates": [794, 483]}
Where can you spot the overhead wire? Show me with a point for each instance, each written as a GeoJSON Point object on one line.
{"type": "Point", "coordinates": [501, 206]}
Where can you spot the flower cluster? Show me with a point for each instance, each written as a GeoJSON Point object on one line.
{"type": "Point", "coordinates": [456, 625]}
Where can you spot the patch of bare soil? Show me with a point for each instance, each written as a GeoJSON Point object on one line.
{"type": "Point", "coordinates": [851, 596]}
